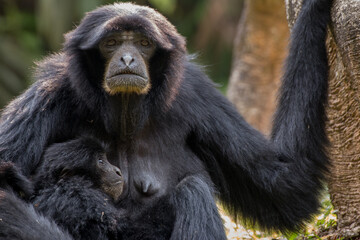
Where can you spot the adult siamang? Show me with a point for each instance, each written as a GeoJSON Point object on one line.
{"type": "Point", "coordinates": [18, 219]}
{"type": "Point", "coordinates": [77, 187]}
{"type": "Point", "coordinates": [124, 77]}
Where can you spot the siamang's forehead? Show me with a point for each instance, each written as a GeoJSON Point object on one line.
{"type": "Point", "coordinates": [120, 17]}
{"type": "Point", "coordinates": [125, 35]}
{"type": "Point", "coordinates": [133, 23]}
{"type": "Point", "coordinates": [136, 23]}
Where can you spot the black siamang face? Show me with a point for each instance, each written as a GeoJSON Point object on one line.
{"type": "Point", "coordinates": [127, 56]}
{"type": "Point", "coordinates": [82, 157]}
{"type": "Point", "coordinates": [109, 176]}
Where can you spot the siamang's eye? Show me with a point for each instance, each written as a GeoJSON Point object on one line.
{"type": "Point", "coordinates": [100, 161]}
{"type": "Point", "coordinates": [110, 42]}
{"type": "Point", "coordinates": [145, 42]}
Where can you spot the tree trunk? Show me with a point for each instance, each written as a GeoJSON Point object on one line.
{"type": "Point", "coordinates": [343, 112]}
{"type": "Point", "coordinates": [260, 47]}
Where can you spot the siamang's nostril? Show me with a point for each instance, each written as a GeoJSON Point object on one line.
{"type": "Point", "coordinates": [118, 172]}
{"type": "Point", "coordinates": [127, 59]}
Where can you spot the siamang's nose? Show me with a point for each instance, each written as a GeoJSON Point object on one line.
{"type": "Point", "coordinates": [147, 187]}
{"type": "Point", "coordinates": [117, 171]}
{"type": "Point", "coordinates": [127, 59]}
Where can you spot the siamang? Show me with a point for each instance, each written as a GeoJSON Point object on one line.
{"type": "Point", "coordinates": [124, 77]}
{"type": "Point", "coordinates": [11, 179]}
{"type": "Point", "coordinates": [18, 219]}
{"type": "Point", "coordinates": [77, 187]}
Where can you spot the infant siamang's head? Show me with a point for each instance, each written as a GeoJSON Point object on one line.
{"type": "Point", "coordinates": [81, 157]}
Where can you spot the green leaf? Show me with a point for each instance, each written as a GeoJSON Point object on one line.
{"type": "Point", "coordinates": [165, 6]}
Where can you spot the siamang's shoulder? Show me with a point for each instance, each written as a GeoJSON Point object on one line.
{"type": "Point", "coordinates": [51, 72]}
{"type": "Point", "coordinates": [195, 85]}
{"type": "Point", "coordinates": [50, 77]}
{"type": "Point", "coordinates": [198, 90]}
{"type": "Point", "coordinates": [51, 85]}
{"type": "Point", "coordinates": [195, 78]}
{"type": "Point", "coordinates": [197, 98]}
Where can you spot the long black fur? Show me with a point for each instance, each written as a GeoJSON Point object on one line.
{"type": "Point", "coordinates": [194, 197]}
{"type": "Point", "coordinates": [11, 179]}
{"type": "Point", "coordinates": [18, 219]}
{"type": "Point", "coordinates": [75, 202]}
{"type": "Point", "coordinates": [183, 127]}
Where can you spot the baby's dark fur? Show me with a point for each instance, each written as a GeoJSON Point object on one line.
{"type": "Point", "coordinates": [18, 219]}
{"type": "Point", "coordinates": [68, 190]}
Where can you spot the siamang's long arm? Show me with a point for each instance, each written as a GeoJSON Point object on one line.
{"type": "Point", "coordinates": [11, 179]}
{"type": "Point", "coordinates": [20, 220]}
{"type": "Point", "coordinates": [273, 183]}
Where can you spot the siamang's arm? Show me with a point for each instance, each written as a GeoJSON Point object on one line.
{"type": "Point", "coordinates": [29, 122]}
{"type": "Point", "coordinates": [196, 216]}
{"type": "Point", "coordinates": [20, 220]}
{"type": "Point", "coordinates": [245, 168]}
{"type": "Point", "coordinates": [77, 206]}
{"type": "Point", "coordinates": [273, 183]}
{"type": "Point", "coordinates": [11, 179]}
{"type": "Point", "coordinates": [186, 212]}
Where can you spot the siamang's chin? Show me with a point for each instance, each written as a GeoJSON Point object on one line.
{"type": "Point", "coordinates": [126, 83]}
{"type": "Point", "coordinates": [114, 190]}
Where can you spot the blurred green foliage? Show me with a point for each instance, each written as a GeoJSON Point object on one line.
{"type": "Point", "coordinates": [32, 29]}
{"type": "Point", "coordinates": [164, 6]}
{"type": "Point", "coordinates": [19, 46]}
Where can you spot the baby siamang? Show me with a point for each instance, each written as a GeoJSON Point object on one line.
{"type": "Point", "coordinates": [78, 188]}
{"type": "Point", "coordinates": [124, 77]}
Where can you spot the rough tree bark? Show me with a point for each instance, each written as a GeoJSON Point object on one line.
{"type": "Point", "coordinates": [343, 112]}
{"type": "Point", "coordinates": [260, 47]}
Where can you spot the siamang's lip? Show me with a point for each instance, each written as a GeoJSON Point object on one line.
{"type": "Point", "coordinates": [111, 184]}
{"type": "Point", "coordinates": [118, 182]}
{"type": "Point", "coordinates": [127, 73]}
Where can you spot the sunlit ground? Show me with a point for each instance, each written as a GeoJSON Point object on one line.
{"type": "Point", "coordinates": [325, 220]}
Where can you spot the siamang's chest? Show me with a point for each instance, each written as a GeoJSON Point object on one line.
{"type": "Point", "coordinates": [152, 153]}
{"type": "Point", "coordinates": [154, 162]}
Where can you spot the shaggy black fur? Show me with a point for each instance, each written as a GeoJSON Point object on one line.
{"type": "Point", "coordinates": [67, 191]}
{"type": "Point", "coordinates": [183, 136]}
{"type": "Point", "coordinates": [19, 220]}
{"type": "Point", "coordinates": [11, 179]}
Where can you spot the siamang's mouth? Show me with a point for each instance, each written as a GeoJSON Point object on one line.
{"type": "Point", "coordinates": [117, 183]}
{"type": "Point", "coordinates": [126, 81]}
{"type": "Point", "coordinates": [126, 73]}
{"type": "Point", "coordinates": [112, 183]}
